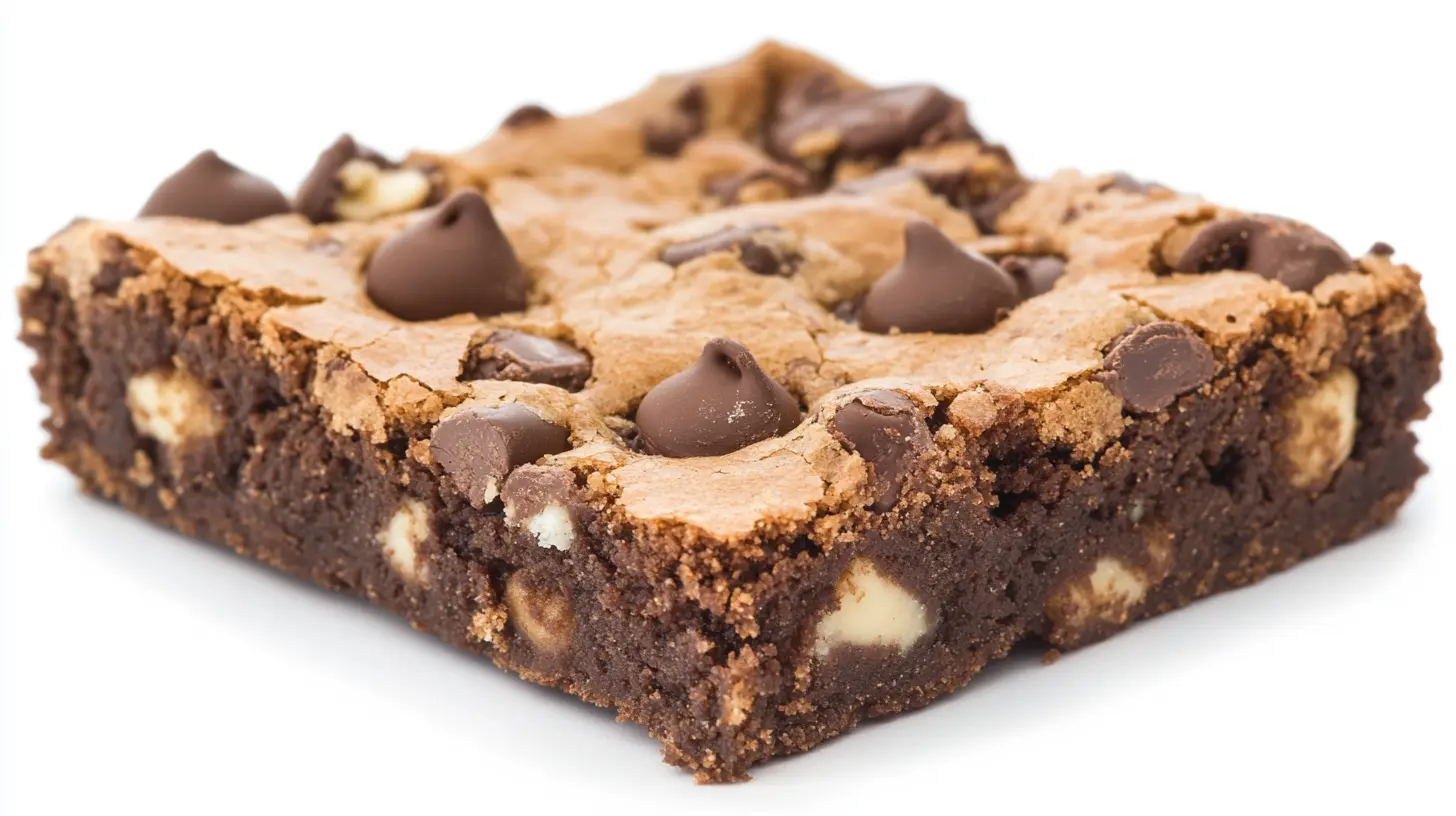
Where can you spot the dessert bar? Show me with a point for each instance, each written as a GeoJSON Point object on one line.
{"type": "Point", "coordinates": [753, 406]}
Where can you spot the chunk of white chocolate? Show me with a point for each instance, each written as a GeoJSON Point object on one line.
{"type": "Point", "coordinates": [553, 528]}
{"type": "Point", "coordinates": [1109, 593]}
{"type": "Point", "coordinates": [401, 538]}
{"type": "Point", "coordinates": [540, 612]}
{"type": "Point", "coordinates": [872, 610]}
{"type": "Point", "coordinates": [171, 407]}
{"type": "Point", "coordinates": [371, 191]}
{"type": "Point", "coordinates": [1322, 426]}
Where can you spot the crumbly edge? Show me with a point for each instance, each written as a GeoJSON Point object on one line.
{"type": "Point", "coordinates": [730, 612]}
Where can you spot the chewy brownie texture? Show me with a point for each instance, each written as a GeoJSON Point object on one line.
{"type": "Point", "coordinates": [752, 406]}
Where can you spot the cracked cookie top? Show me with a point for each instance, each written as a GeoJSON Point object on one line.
{"type": "Point", "coordinates": [848, 246]}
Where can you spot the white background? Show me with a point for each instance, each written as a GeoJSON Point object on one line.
{"type": "Point", "coordinates": [142, 672]}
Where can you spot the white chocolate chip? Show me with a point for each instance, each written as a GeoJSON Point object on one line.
{"type": "Point", "coordinates": [553, 528]}
{"type": "Point", "coordinates": [1322, 427]}
{"type": "Point", "coordinates": [543, 616]}
{"type": "Point", "coordinates": [872, 610]}
{"type": "Point", "coordinates": [171, 407]}
{"type": "Point", "coordinates": [401, 538]}
{"type": "Point", "coordinates": [1109, 593]}
{"type": "Point", "coordinates": [372, 192]}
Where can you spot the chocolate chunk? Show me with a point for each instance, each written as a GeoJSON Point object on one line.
{"type": "Point", "coordinates": [887, 430]}
{"type": "Point", "coordinates": [937, 287]}
{"type": "Point", "coordinates": [545, 502]}
{"type": "Point", "coordinates": [1153, 364]}
{"type": "Point", "coordinates": [719, 404]}
{"type": "Point", "coordinates": [1034, 275]}
{"type": "Point", "coordinates": [522, 357]}
{"type": "Point", "coordinates": [479, 446]}
{"type": "Point", "coordinates": [871, 123]}
{"type": "Point", "coordinates": [454, 260]}
{"type": "Point", "coordinates": [210, 188]}
{"type": "Point", "coordinates": [322, 189]}
{"type": "Point", "coordinates": [1296, 255]}
{"type": "Point", "coordinates": [987, 212]}
{"type": "Point", "coordinates": [757, 256]}
{"type": "Point", "coordinates": [1381, 248]}
{"type": "Point", "coordinates": [785, 181]}
{"type": "Point", "coordinates": [952, 185]}
{"type": "Point", "coordinates": [527, 115]}
{"type": "Point", "coordinates": [668, 134]}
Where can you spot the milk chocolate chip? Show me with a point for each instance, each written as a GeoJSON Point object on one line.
{"type": "Point", "coordinates": [1153, 364]}
{"type": "Point", "coordinates": [989, 211]}
{"type": "Point", "coordinates": [479, 446]}
{"type": "Point", "coordinates": [719, 404]}
{"type": "Point", "coordinates": [210, 188]}
{"type": "Point", "coordinates": [1034, 275]}
{"type": "Point", "coordinates": [351, 182]}
{"type": "Point", "coordinates": [527, 115]}
{"type": "Point", "coordinates": [937, 287]}
{"type": "Point", "coordinates": [870, 123]}
{"type": "Point", "coordinates": [760, 256]}
{"type": "Point", "coordinates": [886, 429]}
{"type": "Point", "coordinates": [512, 355]}
{"type": "Point", "coordinates": [1296, 255]}
{"type": "Point", "coordinates": [669, 133]}
{"type": "Point", "coordinates": [768, 182]}
{"type": "Point", "coordinates": [454, 260]}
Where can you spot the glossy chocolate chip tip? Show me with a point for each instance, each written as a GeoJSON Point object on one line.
{"type": "Point", "coordinates": [1152, 365]}
{"type": "Point", "coordinates": [454, 260]}
{"type": "Point", "coordinates": [211, 188]}
{"type": "Point", "coordinates": [752, 244]}
{"type": "Point", "coordinates": [937, 287]}
{"type": "Point", "coordinates": [723, 402]}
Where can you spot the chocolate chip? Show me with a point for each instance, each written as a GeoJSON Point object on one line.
{"type": "Point", "coordinates": [937, 287]}
{"type": "Point", "coordinates": [757, 256]}
{"type": "Point", "coordinates": [512, 355]}
{"type": "Point", "coordinates": [952, 185]}
{"type": "Point", "coordinates": [479, 446]}
{"type": "Point", "coordinates": [987, 212]}
{"type": "Point", "coordinates": [322, 189]}
{"type": "Point", "coordinates": [667, 135]}
{"type": "Point", "coordinates": [527, 115]}
{"type": "Point", "coordinates": [212, 189]}
{"type": "Point", "coordinates": [1296, 255]}
{"type": "Point", "coordinates": [1034, 275]}
{"type": "Point", "coordinates": [871, 123]}
{"type": "Point", "coordinates": [452, 261]}
{"type": "Point", "coordinates": [1381, 248]}
{"type": "Point", "coordinates": [887, 430]}
{"type": "Point", "coordinates": [721, 403]}
{"type": "Point", "coordinates": [546, 502]}
{"type": "Point", "coordinates": [1153, 364]}
{"type": "Point", "coordinates": [790, 180]}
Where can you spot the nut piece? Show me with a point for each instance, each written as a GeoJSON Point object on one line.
{"type": "Point", "coordinates": [872, 610]}
{"type": "Point", "coordinates": [371, 191]}
{"type": "Point", "coordinates": [171, 407]}
{"type": "Point", "coordinates": [540, 611]}
{"type": "Point", "coordinates": [1108, 595]}
{"type": "Point", "coordinates": [1322, 427]}
{"type": "Point", "coordinates": [401, 538]}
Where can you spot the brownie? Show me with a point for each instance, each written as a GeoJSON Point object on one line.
{"type": "Point", "coordinates": [753, 406]}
